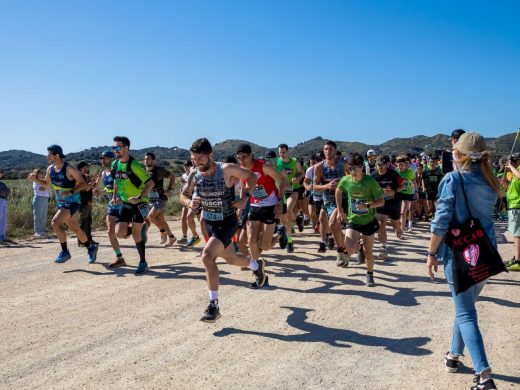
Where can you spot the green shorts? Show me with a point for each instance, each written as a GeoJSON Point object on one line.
{"type": "Point", "coordinates": [514, 222]}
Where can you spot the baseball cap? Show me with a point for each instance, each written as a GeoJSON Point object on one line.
{"type": "Point", "coordinates": [270, 154]}
{"type": "Point", "coordinates": [371, 152]}
{"type": "Point", "coordinates": [382, 160]}
{"type": "Point", "coordinates": [108, 154]}
{"type": "Point", "coordinates": [82, 164]}
{"type": "Point", "coordinates": [56, 149]}
{"type": "Point", "coordinates": [456, 134]}
{"type": "Point", "coordinates": [244, 148]}
{"type": "Point", "coordinates": [515, 157]}
{"type": "Point", "coordinates": [471, 144]}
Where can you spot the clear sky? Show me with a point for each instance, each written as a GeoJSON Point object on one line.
{"type": "Point", "coordinates": [167, 72]}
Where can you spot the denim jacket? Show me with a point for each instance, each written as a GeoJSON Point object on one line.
{"type": "Point", "coordinates": [451, 204]}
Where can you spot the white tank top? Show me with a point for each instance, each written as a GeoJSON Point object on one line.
{"type": "Point", "coordinates": [38, 192]}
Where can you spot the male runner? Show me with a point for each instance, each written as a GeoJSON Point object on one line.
{"type": "Point", "coordinates": [370, 164]}
{"type": "Point", "coordinates": [159, 197]}
{"type": "Point", "coordinates": [67, 182]}
{"type": "Point", "coordinates": [327, 175]}
{"type": "Point", "coordinates": [407, 194]}
{"type": "Point", "coordinates": [266, 201]}
{"type": "Point", "coordinates": [132, 186]}
{"type": "Point", "coordinates": [215, 194]}
{"type": "Point", "coordinates": [431, 180]}
{"type": "Point", "coordinates": [391, 183]}
{"type": "Point", "coordinates": [113, 208]}
{"type": "Point", "coordinates": [294, 173]}
{"type": "Point", "coordinates": [364, 196]}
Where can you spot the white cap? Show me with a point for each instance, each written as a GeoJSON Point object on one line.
{"type": "Point", "coordinates": [371, 152]}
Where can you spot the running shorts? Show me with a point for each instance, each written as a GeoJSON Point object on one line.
{"type": "Point", "coordinates": [366, 230]}
{"type": "Point", "coordinates": [133, 212]}
{"type": "Point", "coordinates": [223, 230]}
{"type": "Point", "coordinates": [263, 214]}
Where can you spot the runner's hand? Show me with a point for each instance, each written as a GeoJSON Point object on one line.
{"type": "Point", "coordinates": [240, 203]}
{"type": "Point", "coordinates": [432, 265]}
{"type": "Point", "coordinates": [133, 200]}
{"type": "Point", "coordinates": [341, 217]}
{"type": "Point", "coordinates": [333, 184]}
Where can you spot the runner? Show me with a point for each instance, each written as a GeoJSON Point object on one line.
{"type": "Point", "coordinates": [159, 198]}
{"type": "Point", "coordinates": [327, 175]}
{"type": "Point", "coordinates": [113, 208]}
{"type": "Point", "coordinates": [215, 194]}
{"type": "Point", "coordinates": [132, 186]}
{"type": "Point", "coordinates": [266, 201]}
{"type": "Point", "coordinates": [391, 183]}
{"type": "Point", "coordinates": [86, 196]}
{"type": "Point", "coordinates": [431, 179]}
{"type": "Point", "coordinates": [315, 197]}
{"type": "Point", "coordinates": [294, 173]}
{"type": "Point", "coordinates": [67, 182]}
{"type": "Point", "coordinates": [370, 164]}
{"type": "Point", "coordinates": [364, 196]}
{"type": "Point", "coordinates": [406, 195]}
{"type": "Point", "coordinates": [188, 216]}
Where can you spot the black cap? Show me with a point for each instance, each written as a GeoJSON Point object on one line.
{"type": "Point", "coordinates": [56, 149]}
{"type": "Point", "coordinates": [244, 148]}
{"type": "Point", "coordinates": [515, 157]}
{"type": "Point", "coordinates": [270, 154]}
{"type": "Point", "coordinates": [82, 164]}
{"type": "Point", "coordinates": [382, 160]}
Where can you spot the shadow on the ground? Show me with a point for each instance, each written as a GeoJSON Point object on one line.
{"type": "Point", "coordinates": [335, 337]}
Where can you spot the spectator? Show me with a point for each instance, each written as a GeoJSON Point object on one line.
{"type": "Point", "coordinates": [447, 158]}
{"type": "Point", "coordinates": [40, 204]}
{"type": "Point", "coordinates": [5, 192]}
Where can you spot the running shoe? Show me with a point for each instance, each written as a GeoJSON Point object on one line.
{"type": "Point", "coordinates": [322, 248]}
{"type": "Point", "coordinates": [182, 241]}
{"type": "Point", "coordinates": [331, 242]}
{"type": "Point", "coordinates": [164, 238]}
{"type": "Point", "coordinates": [170, 242]}
{"type": "Point", "coordinates": [194, 240]}
{"type": "Point", "coordinates": [260, 273]}
{"type": "Point", "coordinates": [92, 252]}
{"type": "Point", "coordinates": [63, 257]}
{"type": "Point", "coordinates": [144, 235]}
{"type": "Point", "coordinates": [515, 266]}
{"type": "Point", "coordinates": [306, 221]}
{"type": "Point", "coordinates": [299, 222]}
{"type": "Point", "coordinates": [361, 256]}
{"type": "Point", "coordinates": [370, 280]}
{"type": "Point", "coordinates": [290, 247]}
{"type": "Point", "coordinates": [342, 259]}
{"type": "Point", "coordinates": [212, 313]}
{"type": "Point", "coordinates": [282, 237]}
{"type": "Point", "coordinates": [120, 262]}
{"type": "Point", "coordinates": [383, 254]}
{"type": "Point", "coordinates": [487, 385]}
{"type": "Point", "coordinates": [451, 364]}
{"type": "Point", "coordinates": [254, 285]}
{"type": "Point", "coordinates": [142, 268]}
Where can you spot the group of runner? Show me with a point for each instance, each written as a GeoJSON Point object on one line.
{"type": "Point", "coordinates": [247, 205]}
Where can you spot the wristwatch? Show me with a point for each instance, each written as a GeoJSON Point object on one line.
{"type": "Point", "coordinates": [432, 254]}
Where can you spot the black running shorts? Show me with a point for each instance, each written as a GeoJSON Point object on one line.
{"type": "Point", "coordinates": [366, 230]}
{"type": "Point", "coordinates": [263, 214]}
{"type": "Point", "coordinates": [223, 230]}
{"type": "Point", "coordinates": [133, 212]}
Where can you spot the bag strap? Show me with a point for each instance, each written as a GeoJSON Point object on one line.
{"type": "Point", "coordinates": [464, 192]}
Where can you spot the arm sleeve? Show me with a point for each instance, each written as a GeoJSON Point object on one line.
{"type": "Point", "coordinates": [445, 211]}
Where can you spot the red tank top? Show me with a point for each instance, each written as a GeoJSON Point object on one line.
{"type": "Point", "coordinates": [265, 185]}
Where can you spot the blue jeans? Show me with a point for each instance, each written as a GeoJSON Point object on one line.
{"type": "Point", "coordinates": [3, 218]}
{"type": "Point", "coordinates": [465, 329]}
{"type": "Point", "coordinates": [40, 205]}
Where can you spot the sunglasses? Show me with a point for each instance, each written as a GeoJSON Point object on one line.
{"type": "Point", "coordinates": [117, 148]}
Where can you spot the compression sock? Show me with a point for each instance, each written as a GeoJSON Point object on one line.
{"type": "Point", "coordinates": [140, 249]}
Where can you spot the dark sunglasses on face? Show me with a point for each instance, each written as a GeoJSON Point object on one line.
{"type": "Point", "coordinates": [117, 148]}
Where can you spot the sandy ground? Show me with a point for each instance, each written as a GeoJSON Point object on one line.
{"type": "Point", "coordinates": [75, 325]}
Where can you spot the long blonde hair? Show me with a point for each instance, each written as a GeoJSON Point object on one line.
{"type": "Point", "coordinates": [465, 162]}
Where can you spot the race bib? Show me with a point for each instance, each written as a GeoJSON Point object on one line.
{"type": "Point", "coordinates": [259, 192]}
{"type": "Point", "coordinates": [433, 179]}
{"type": "Point", "coordinates": [354, 206]}
{"type": "Point", "coordinates": [212, 213]}
{"type": "Point", "coordinates": [143, 209]}
{"type": "Point", "coordinates": [153, 195]}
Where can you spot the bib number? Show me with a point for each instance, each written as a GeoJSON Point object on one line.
{"type": "Point", "coordinates": [212, 214]}
{"type": "Point", "coordinates": [259, 192]}
{"type": "Point", "coordinates": [153, 195]}
{"type": "Point", "coordinates": [143, 209]}
{"type": "Point", "coordinates": [354, 206]}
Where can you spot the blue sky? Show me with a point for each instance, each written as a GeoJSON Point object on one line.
{"type": "Point", "coordinates": [167, 72]}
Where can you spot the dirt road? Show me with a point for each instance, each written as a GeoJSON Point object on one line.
{"type": "Point", "coordinates": [75, 325]}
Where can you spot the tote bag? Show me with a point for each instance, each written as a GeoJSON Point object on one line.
{"type": "Point", "coordinates": [474, 258]}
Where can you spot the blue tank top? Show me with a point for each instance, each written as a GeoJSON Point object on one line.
{"type": "Point", "coordinates": [329, 174]}
{"type": "Point", "coordinates": [216, 198]}
{"type": "Point", "coordinates": [108, 182]}
{"type": "Point", "coordinates": [61, 183]}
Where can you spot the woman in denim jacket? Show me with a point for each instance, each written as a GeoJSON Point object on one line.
{"type": "Point", "coordinates": [481, 188]}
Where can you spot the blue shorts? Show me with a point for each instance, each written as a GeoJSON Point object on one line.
{"type": "Point", "coordinates": [73, 207]}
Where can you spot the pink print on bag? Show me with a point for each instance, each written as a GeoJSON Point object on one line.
{"type": "Point", "coordinates": [471, 254]}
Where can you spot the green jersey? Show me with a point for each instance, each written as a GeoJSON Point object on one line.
{"type": "Point", "coordinates": [364, 191]}
{"type": "Point", "coordinates": [130, 178]}
{"type": "Point", "coordinates": [513, 193]}
{"type": "Point", "coordinates": [291, 169]}
{"type": "Point", "coordinates": [409, 176]}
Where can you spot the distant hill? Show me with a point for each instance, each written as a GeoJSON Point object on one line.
{"type": "Point", "coordinates": [17, 163]}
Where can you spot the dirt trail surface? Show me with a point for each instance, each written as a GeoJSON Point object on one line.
{"type": "Point", "coordinates": [76, 325]}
